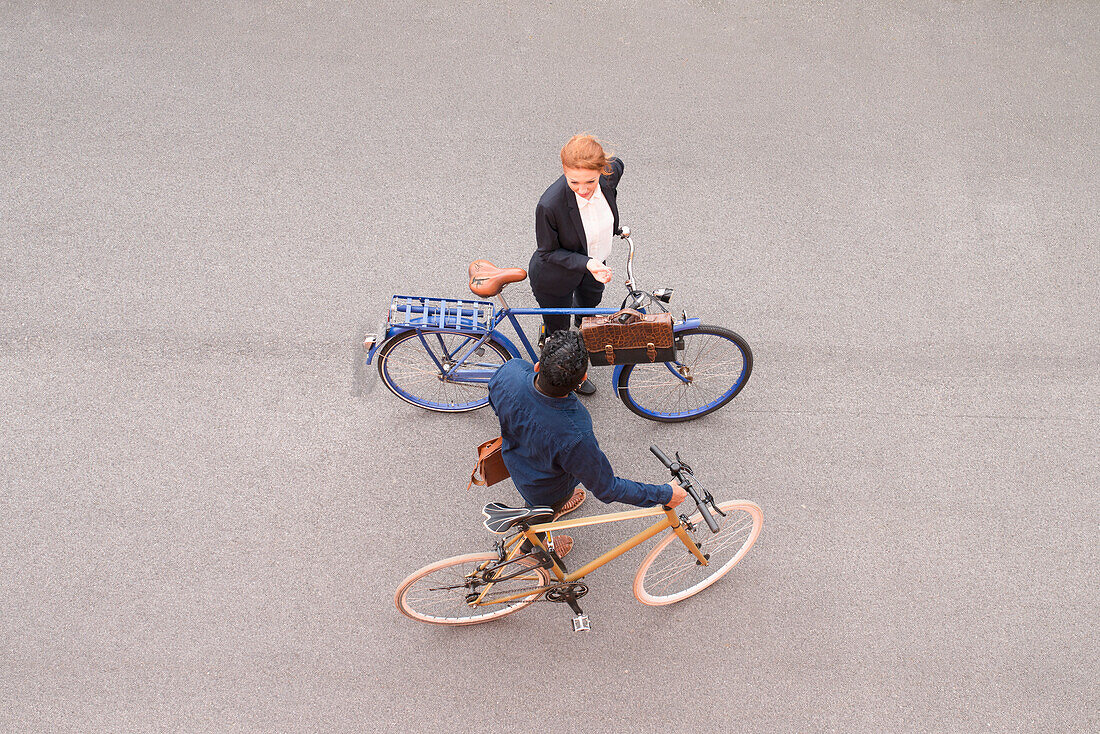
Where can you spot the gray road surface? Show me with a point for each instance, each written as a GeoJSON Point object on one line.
{"type": "Point", "coordinates": [207, 500]}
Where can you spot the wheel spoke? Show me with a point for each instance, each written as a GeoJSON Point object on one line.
{"type": "Point", "coordinates": [408, 369]}
{"type": "Point", "coordinates": [671, 572]}
{"type": "Point", "coordinates": [665, 575]}
{"type": "Point", "coordinates": [438, 593]}
{"type": "Point", "coordinates": [718, 364]}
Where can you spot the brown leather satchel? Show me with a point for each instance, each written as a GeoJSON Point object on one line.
{"type": "Point", "coordinates": [628, 337]}
{"type": "Point", "coordinates": [490, 464]}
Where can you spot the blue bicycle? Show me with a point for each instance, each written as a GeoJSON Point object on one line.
{"type": "Point", "coordinates": [439, 353]}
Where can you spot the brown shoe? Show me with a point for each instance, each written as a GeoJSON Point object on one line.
{"type": "Point", "coordinates": [562, 545]}
{"type": "Point", "coordinates": [574, 502]}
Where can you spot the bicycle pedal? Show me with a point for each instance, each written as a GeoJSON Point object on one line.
{"type": "Point", "coordinates": [580, 623]}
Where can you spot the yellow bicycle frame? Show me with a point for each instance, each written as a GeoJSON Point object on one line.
{"type": "Point", "coordinates": [670, 520]}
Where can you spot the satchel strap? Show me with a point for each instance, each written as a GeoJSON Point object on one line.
{"type": "Point", "coordinates": [483, 453]}
{"type": "Point", "coordinates": [609, 352]}
{"type": "Point", "coordinates": [475, 479]}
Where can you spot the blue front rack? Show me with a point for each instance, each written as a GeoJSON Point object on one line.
{"type": "Point", "coordinates": [423, 312]}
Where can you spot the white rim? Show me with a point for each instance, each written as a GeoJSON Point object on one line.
{"type": "Point", "coordinates": [646, 598]}
{"type": "Point", "coordinates": [497, 612]}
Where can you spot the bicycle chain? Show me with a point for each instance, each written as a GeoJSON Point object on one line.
{"type": "Point", "coordinates": [488, 598]}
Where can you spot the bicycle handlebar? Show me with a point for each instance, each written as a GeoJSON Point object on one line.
{"type": "Point", "coordinates": [684, 477]}
{"type": "Point", "coordinates": [661, 456]}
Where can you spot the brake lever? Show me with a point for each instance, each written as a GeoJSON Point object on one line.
{"type": "Point", "coordinates": [708, 498]}
{"type": "Point", "coordinates": [683, 464]}
{"type": "Point", "coordinates": [713, 505]}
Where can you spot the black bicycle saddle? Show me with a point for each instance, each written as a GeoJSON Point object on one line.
{"type": "Point", "coordinates": [498, 517]}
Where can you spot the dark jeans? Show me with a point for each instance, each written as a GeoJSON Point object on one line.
{"type": "Point", "coordinates": [557, 505]}
{"type": "Point", "coordinates": [586, 295]}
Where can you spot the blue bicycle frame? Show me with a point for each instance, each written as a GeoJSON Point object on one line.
{"type": "Point", "coordinates": [426, 315]}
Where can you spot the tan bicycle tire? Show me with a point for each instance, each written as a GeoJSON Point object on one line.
{"type": "Point", "coordinates": [677, 557]}
{"type": "Point", "coordinates": [470, 560]}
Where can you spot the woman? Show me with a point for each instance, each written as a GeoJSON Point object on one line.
{"type": "Point", "coordinates": [574, 222]}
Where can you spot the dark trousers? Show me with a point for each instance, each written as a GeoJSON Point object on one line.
{"type": "Point", "coordinates": [586, 295]}
{"type": "Point", "coordinates": [556, 507]}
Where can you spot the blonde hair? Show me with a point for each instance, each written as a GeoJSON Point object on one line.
{"type": "Point", "coordinates": [585, 151]}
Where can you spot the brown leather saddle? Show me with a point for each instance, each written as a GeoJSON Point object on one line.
{"type": "Point", "coordinates": [487, 280]}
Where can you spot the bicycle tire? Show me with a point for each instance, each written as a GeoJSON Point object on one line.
{"type": "Point", "coordinates": [719, 362]}
{"type": "Point", "coordinates": [412, 375]}
{"type": "Point", "coordinates": [670, 566]}
{"type": "Point", "coordinates": [430, 605]}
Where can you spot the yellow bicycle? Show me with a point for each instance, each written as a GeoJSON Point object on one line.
{"type": "Point", "coordinates": [523, 568]}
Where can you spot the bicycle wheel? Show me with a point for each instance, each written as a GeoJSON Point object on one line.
{"type": "Point", "coordinates": [671, 573]}
{"type": "Point", "coordinates": [413, 369]}
{"type": "Point", "coordinates": [715, 363]}
{"type": "Point", "coordinates": [437, 593]}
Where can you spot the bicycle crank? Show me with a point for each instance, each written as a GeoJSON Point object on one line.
{"type": "Point", "coordinates": [569, 593]}
{"type": "Point", "coordinates": [566, 592]}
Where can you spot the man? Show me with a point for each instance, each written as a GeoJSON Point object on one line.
{"type": "Point", "coordinates": [549, 445]}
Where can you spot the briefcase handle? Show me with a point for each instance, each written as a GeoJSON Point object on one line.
{"type": "Point", "coordinates": [628, 316]}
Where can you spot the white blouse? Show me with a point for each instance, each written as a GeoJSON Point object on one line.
{"type": "Point", "coordinates": [598, 222]}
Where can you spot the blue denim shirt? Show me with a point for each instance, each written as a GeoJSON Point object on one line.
{"type": "Point", "coordinates": [549, 446]}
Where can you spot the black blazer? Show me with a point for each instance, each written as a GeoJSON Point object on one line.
{"type": "Point", "coordinates": [561, 259]}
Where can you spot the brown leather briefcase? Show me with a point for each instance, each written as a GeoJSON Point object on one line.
{"type": "Point", "coordinates": [490, 467]}
{"type": "Point", "coordinates": [628, 337]}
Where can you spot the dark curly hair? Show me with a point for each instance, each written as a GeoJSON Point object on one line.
{"type": "Point", "coordinates": [563, 363]}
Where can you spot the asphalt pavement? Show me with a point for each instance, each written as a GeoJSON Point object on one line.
{"type": "Point", "coordinates": [208, 499]}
